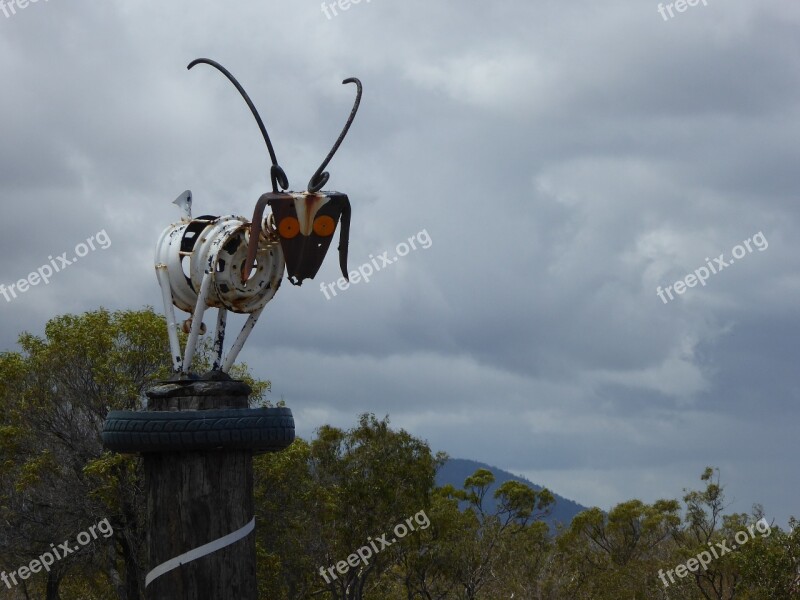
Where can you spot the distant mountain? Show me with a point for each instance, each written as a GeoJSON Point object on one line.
{"type": "Point", "coordinates": [456, 470]}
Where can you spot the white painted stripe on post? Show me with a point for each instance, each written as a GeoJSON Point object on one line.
{"type": "Point", "coordinates": [203, 550]}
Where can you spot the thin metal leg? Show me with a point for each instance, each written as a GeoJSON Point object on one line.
{"type": "Point", "coordinates": [219, 337]}
{"type": "Point", "coordinates": [241, 339]}
{"type": "Point", "coordinates": [169, 312]}
{"type": "Point", "coordinates": [197, 321]}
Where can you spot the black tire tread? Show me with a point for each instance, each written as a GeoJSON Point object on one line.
{"type": "Point", "coordinates": [258, 429]}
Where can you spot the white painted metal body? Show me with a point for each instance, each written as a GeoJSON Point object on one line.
{"type": "Point", "coordinates": [199, 264]}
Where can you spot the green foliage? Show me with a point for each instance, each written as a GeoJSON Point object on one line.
{"type": "Point", "coordinates": [768, 564]}
{"type": "Point", "coordinates": [321, 500]}
{"type": "Point", "coordinates": [342, 489]}
{"type": "Point", "coordinates": [55, 478]}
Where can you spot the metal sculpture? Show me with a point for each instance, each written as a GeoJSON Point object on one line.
{"type": "Point", "coordinates": [232, 264]}
{"type": "Point", "coordinates": [198, 435]}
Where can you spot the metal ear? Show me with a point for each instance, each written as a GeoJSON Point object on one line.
{"type": "Point", "coordinates": [344, 238]}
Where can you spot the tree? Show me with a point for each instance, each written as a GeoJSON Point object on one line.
{"type": "Point", "coordinates": [770, 562]}
{"type": "Point", "coordinates": [321, 502]}
{"type": "Point", "coordinates": [745, 556]}
{"type": "Point", "coordinates": [55, 479]}
{"type": "Point", "coordinates": [341, 491]}
{"type": "Point", "coordinates": [488, 538]}
{"type": "Point", "coordinates": [618, 554]}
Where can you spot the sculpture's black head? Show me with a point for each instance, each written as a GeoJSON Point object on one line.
{"type": "Point", "coordinates": [305, 222]}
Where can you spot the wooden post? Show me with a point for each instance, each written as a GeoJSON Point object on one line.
{"type": "Point", "coordinates": [198, 437]}
{"type": "Point", "coordinates": [195, 498]}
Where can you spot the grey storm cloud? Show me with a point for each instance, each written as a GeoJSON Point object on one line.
{"type": "Point", "coordinates": [566, 159]}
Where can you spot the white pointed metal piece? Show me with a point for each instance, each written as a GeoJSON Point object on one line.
{"type": "Point", "coordinates": [184, 201]}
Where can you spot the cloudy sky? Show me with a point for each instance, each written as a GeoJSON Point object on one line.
{"type": "Point", "coordinates": [564, 160]}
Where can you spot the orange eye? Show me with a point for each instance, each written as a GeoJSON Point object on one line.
{"type": "Point", "coordinates": [289, 227]}
{"type": "Point", "coordinates": [324, 225]}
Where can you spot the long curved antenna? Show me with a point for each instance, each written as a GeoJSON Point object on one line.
{"type": "Point", "coordinates": [277, 174]}
{"type": "Point", "coordinates": [320, 177]}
